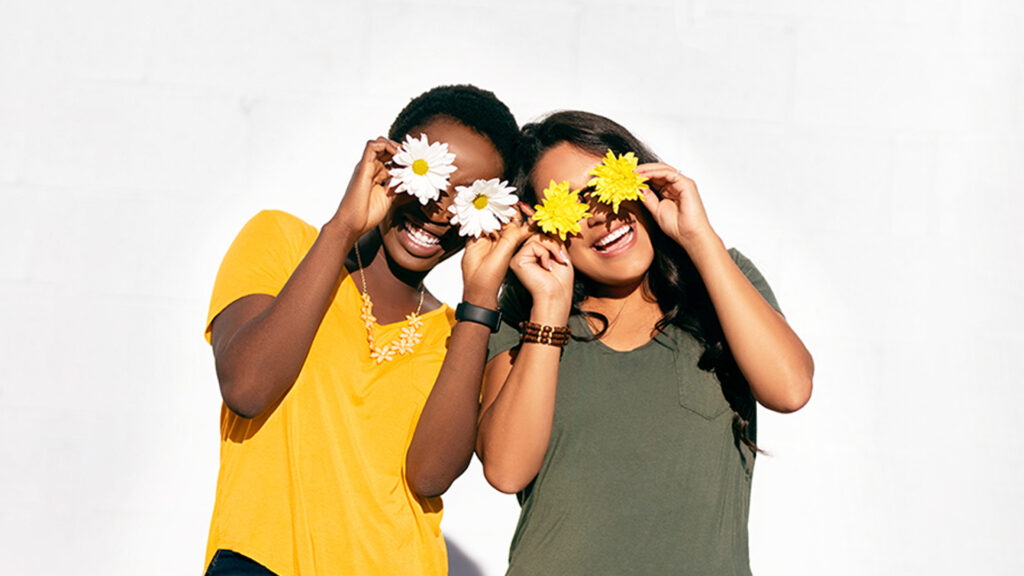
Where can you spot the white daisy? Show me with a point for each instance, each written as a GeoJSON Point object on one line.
{"type": "Point", "coordinates": [422, 168]}
{"type": "Point", "coordinates": [483, 207]}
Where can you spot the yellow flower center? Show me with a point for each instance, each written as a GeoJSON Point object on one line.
{"type": "Point", "coordinates": [480, 202]}
{"type": "Point", "coordinates": [420, 167]}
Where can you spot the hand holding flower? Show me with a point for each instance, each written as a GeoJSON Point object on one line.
{"type": "Point", "coordinates": [367, 198]}
{"type": "Point", "coordinates": [486, 260]}
{"type": "Point", "coordinates": [545, 271]}
{"type": "Point", "coordinates": [679, 210]}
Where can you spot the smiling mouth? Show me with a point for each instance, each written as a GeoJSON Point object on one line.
{"type": "Point", "coordinates": [617, 238]}
{"type": "Point", "coordinates": [419, 236]}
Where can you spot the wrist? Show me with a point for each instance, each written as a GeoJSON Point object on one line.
{"type": "Point", "coordinates": [481, 297]}
{"type": "Point", "coordinates": [708, 256]}
{"type": "Point", "coordinates": [551, 314]}
{"type": "Point", "coordinates": [338, 229]}
{"type": "Point", "coordinates": [700, 242]}
{"type": "Point", "coordinates": [534, 333]}
{"type": "Point", "coordinates": [337, 238]}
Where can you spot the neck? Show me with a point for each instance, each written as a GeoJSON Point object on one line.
{"type": "Point", "coordinates": [615, 293]}
{"type": "Point", "coordinates": [382, 271]}
{"type": "Point", "coordinates": [395, 292]}
{"type": "Point", "coordinates": [611, 303]}
{"type": "Point", "coordinates": [630, 310]}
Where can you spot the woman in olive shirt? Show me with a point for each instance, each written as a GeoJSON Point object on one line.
{"type": "Point", "coordinates": [631, 447]}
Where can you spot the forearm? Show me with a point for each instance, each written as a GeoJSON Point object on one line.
{"type": "Point", "coordinates": [260, 361]}
{"type": "Point", "coordinates": [770, 355]}
{"type": "Point", "coordinates": [516, 428]}
{"type": "Point", "coordinates": [442, 445]}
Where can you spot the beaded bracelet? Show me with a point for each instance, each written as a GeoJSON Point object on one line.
{"type": "Point", "coordinates": [532, 332]}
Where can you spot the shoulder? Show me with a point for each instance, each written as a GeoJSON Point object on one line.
{"type": "Point", "coordinates": [740, 260]}
{"type": "Point", "coordinates": [280, 221]}
{"type": "Point", "coordinates": [266, 250]}
{"type": "Point", "coordinates": [275, 231]}
{"type": "Point", "coordinates": [743, 263]}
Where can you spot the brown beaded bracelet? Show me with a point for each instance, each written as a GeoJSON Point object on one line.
{"type": "Point", "coordinates": [532, 332]}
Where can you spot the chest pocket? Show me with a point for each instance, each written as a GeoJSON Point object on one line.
{"type": "Point", "coordinates": [699, 390]}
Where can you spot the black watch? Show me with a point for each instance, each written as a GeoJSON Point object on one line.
{"type": "Point", "coordinates": [479, 314]}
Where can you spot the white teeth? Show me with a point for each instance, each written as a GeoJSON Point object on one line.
{"type": "Point", "coordinates": [421, 236]}
{"type": "Point", "coordinates": [613, 236]}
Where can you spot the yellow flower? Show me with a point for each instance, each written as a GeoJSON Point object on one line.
{"type": "Point", "coordinates": [615, 180]}
{"type": "Point", "coordinates": [561, 210]}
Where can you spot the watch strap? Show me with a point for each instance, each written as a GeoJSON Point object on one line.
{"type": "Point", "coordinates": [479, 314]}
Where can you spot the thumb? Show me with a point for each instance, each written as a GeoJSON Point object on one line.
{"type": "Point", "coordinates": [513, 235]}
{"type": "Point", "coordinates": [477, 245]}
{"type": "Point", "coordinates": [651, 201]}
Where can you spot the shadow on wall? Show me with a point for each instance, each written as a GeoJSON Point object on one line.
{"type": "Point", "coordinates": [459, 564]}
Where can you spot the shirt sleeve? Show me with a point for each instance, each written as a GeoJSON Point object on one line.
{"type": "Point", "coordinates": [755, 278]}
{"type": "Point", "coordinates": [260, 260]}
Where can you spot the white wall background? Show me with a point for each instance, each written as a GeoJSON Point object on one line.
{"type": "Point", "coordinates": [867, 155]}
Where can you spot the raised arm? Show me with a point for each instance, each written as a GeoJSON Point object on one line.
{"type": "Point", "coordinates": [261, 342]}
{"type": "Point", "coordinates": [442, 445]}
{"type": "Point", "coordinates": [771, 356]}
{"type": "Point", "coordinates": [519, 397]}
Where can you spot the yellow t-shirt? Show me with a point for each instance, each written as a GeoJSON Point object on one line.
{"type": "Point", "coordinates": [316, 484]}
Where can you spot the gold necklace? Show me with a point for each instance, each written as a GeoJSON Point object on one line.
{"type": "Point", "coordinates": [609, 323]}
{"type": "Point", "coordinates": [408, 338]}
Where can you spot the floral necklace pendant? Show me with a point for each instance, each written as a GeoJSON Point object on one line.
{"type": "Point", "coordinates": [409, 336]}
{"type": "Point", "coordinates": [407, 339]}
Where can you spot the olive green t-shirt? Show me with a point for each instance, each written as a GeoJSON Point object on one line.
{"type": "Point", "coordinates": [642, 474]}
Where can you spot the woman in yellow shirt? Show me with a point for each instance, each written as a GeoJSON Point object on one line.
{"type": "Point", "coordinates": [327, 347]}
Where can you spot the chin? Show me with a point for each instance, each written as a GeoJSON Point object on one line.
{"type": "Point", "coordinates": [626, 268]}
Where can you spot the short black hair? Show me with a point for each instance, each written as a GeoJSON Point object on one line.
{"type": "Point", "coordinates": [475, 108]}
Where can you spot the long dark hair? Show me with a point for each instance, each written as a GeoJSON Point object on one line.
{"type": "Point", "coordinates": [672, 279]}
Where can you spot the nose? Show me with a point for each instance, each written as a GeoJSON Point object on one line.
{"type": "Point", "coordinates": [438, 209]}
{"type": "Point", "coordinates": [602, 214]}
